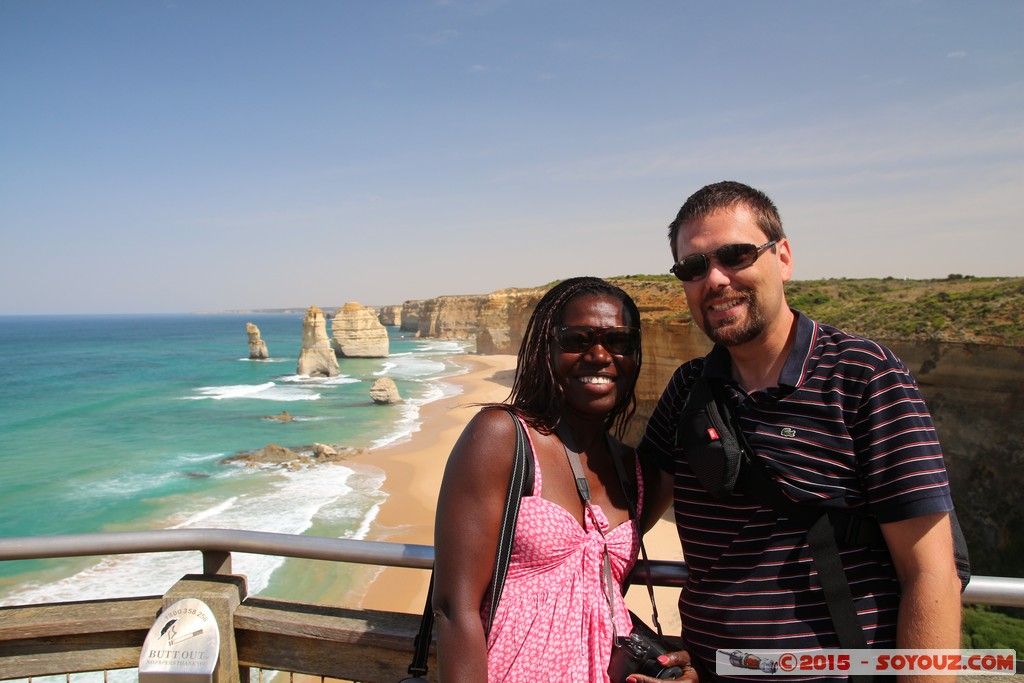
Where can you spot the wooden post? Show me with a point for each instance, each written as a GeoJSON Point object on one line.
{"type": "Point", "coordinates": [223, 594]}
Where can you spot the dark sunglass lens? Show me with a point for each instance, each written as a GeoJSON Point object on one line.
{"type": "Point", "coordinates": [620, 342]}
{"type": "Point", "coordinates": [691, 268]}
{"type": "Point", "coordinates": [737, 255]}
{"type": "Point", "coordinates": [575, 339]}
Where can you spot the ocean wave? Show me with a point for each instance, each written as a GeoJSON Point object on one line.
{"type": "Point", "coordinates": [384, 370]}
{"type": "Point", "coordinates": [268, 391]}
{"type": "Point", "coordinates": [288, 506]}
{"type": "Point", "coordinates": [337, 380]}
{"type": "Point", "coordinates": [126, 485]}
{"type": "Point", "coordinates": [443, 346]}
{"type": "Point", "coordinates": [417, 367]}
{"type": "Point", "coordinates": [407, 425]}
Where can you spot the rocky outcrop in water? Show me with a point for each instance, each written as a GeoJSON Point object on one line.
{"type": "Point", "coordinates": [273, 455]}
{"type": "Point", "coordinates": [317, 358]}
{"type": "Point", "coordinates": [385, 391]}
{"type": "Point", "coordinates": [357, 333]}
{"type": "Point", "coordinates": [257, 347]}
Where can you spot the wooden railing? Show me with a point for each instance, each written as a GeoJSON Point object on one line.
{"type": "Point", "coordinates": [269, 635]}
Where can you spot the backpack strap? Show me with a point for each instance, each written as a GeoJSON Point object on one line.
{"type": "Point", "coordinates": [724, 462]}
{"type": "Point", "coordinates": [755, 482]}
{"type": "Point", "coordinates": [729, 465]}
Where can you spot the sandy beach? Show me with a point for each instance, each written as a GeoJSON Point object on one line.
{"type": "Point", "coordinates": [414, 470]}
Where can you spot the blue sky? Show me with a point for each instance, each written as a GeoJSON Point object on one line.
{"type": "Point", "coordinates": [193, 155]}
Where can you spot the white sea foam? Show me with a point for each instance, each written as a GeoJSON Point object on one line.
{"type": "Point", "coordinates": [126, 485]}
{"type": "Point", "coordinates": [417, 367]}
{"type": "Point", "coordinates": [288, 505]}
{"type": "Point", "coordinates": [268, 391]}
{"type": "Point", "coordinates": [306, 380]}
{"type": "Point", "coordinates": [407, 425]}
{"type": "Point", "coordinates": [409, 422]}
{"type": "Point", "coordinates": [442, 346]}
{"type": "Point", "coordinates": [384, 370]}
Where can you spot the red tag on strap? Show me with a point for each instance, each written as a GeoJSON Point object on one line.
{"type": "Point", "coordinates": [712, 434]}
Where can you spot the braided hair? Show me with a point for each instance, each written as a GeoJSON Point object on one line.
{"type": "Point", "coordinates": [536, 395]}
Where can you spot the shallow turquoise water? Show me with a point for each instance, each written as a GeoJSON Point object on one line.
{"type": "Point", "coordinates": [123, 422]}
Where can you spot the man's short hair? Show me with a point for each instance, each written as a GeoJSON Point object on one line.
{"type": "Point", "coordinates": [724, 195]}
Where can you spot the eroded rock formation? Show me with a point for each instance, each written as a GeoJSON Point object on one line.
{"type": "Point", "coordinates": [357, 333]}
{"type": "Point", "coordinates": [390, 316]}
{"type": "Point", "coordinates": [257, 347]}
{"type": "Point", "coordinates": [385, 391]}
{"type": "Point", "coordinates": [273, 455]}
{"type": "Point", "coordinates": [411, 316]}
{"type": "Point", "coordinates": [317, 358]}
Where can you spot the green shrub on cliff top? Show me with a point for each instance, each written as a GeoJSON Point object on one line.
{"type": "Point", "coordinates": [960, 308]}
{"type": "Point", "coordinates": [983, 629]}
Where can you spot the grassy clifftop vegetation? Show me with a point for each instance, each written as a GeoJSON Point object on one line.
{"type": "Point", "coordinates": [955, 309]}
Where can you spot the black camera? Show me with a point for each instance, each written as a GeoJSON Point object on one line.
{"type": "Point", "coordinates": [638, 654]}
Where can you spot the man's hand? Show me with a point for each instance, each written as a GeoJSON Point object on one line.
{"type": "Point", "coordinates": [680, 658]}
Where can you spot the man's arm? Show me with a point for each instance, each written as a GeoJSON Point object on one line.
{"type": "Point", "coordinates": [929, 613]}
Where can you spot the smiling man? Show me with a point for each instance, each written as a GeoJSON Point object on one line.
{"type": "Point", "coordinates": [833, 421]}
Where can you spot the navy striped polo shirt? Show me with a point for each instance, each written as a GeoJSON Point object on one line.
{"type": "Point", "coordinates": [846, 427]}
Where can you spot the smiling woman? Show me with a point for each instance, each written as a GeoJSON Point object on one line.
{"type": "Point", "coordinates": [575, 539]}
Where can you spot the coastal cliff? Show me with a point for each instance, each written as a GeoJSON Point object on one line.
{"type": "Point", "coordinates": [960, 338]}
{"type": "Point", "coordinates": [356, 332]}
{"type": "Point", "coordinates": [975, 393]}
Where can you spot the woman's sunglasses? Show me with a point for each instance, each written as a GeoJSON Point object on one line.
{"type": "Point", "coordinates": [732, 256]}
{"type": "Point", "coordinates": [619, 341]}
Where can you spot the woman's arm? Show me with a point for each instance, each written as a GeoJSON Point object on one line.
{"type": "Point", "coordinates": [466, 530]}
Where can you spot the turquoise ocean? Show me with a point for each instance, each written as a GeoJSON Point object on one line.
{"type": "Point", "coordinates": [117, 423]}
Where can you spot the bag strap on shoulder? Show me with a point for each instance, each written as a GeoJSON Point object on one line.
{"type": "Point", "coordinates": [520, 483]}
{"type": "Point", "coordinates": [749, 477]}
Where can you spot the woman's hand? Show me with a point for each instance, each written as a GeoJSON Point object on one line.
{"type": "Point", "coordinates": [680, 658]}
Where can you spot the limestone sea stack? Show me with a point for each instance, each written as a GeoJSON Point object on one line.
{"type": "Point", "coordinates": [390, 316]}
{"type": "Point", "coordinates": [317, 358]}
{"type": "Point", "coordinates": [357, 333]}
{"type": "Point", "coordinates": [384, 391]}
{"type": "Point", "coordinates": [257, 347]}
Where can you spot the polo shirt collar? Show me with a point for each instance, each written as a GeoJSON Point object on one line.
{"type": "Point", "coordinates": [793, 371]}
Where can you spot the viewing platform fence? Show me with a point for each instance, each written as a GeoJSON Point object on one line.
{"type": "Point", "coordinates": [259, 636]}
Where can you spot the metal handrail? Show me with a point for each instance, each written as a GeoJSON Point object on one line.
{"type": "Point", "coordinates": [217, 544]}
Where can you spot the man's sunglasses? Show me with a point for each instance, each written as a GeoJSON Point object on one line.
{"type": "Point", "coordinates": [618, 341]}
{"type": "Point", "coordinates": [732, 256]}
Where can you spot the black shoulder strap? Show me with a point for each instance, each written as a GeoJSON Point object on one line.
{"type": "Point", "coordinates": [732, 466]}
{"type": "Point", "coordinates": [821, 538]}
{"type": "Point", "coordinates": [751, 478]}
{"type": "Point", "coordinates": [520, 483]}
{"type": "Point", "coordinates": [522, 468]}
